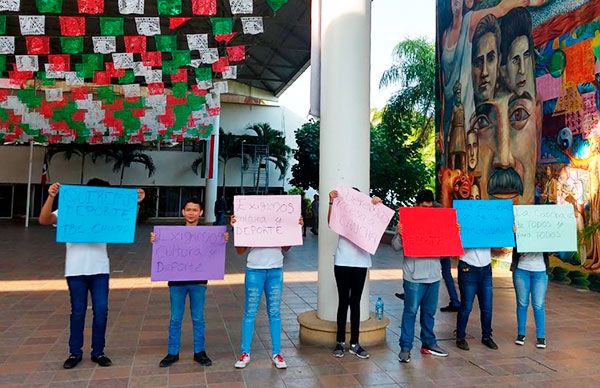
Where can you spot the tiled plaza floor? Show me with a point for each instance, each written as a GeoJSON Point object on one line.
{"type": "Point", "coordinates": [34, 315]}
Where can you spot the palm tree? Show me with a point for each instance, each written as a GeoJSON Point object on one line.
{"type": "Point", "coordinates": [279, 152]}
{"type": "Point", "coordinates": [69, 150]}
{"type": "Point", "coordinates": [124, 155]}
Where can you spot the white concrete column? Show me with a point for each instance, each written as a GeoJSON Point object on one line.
{"type": "Point", "coordinates": [212, 172]}
{"type": "Point", "coordinates": [344, 155]}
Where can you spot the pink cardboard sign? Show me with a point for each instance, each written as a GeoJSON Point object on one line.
{"type": "Point", "coordinates": [267, 220]}
{"type": "Point", "coordinates": [354, 216]}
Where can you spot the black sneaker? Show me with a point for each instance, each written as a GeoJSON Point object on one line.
{"type": "Point", "coordinates": [520, 340]}
{"type": "Point", "coordinates": [102, 360]}
{"type": "Point", "coordinates": [399, 295]}
{"type": "Point", "coordinates": [540, 343]}
{"type": "Point", "coordinates": [338, 351]}
{"type": "Point", "coordinates": [404, 357]}
{"type": "Point", "coordinates": [358, 351]}
{"type": "Point", "coordinates": [462, 344]}
{"type": "Point", "coordinates": [489, 342]}
{"type": "Point", "coordinates": [434, 350]}
{"type": "Point", "coordinates": [449, 309]}
{"type": "Point", "coordinates": [202, 358]}
{"type": "Point", "coordinates": [169, 360]}
{"type": "Point", "coordinates": [72, 361]}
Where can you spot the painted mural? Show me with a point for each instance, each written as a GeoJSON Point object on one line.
{"type": "Point", "coordinates": [518, 91]}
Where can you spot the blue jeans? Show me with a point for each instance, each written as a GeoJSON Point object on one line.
{"type": "Point", "coordinates": [269, 281]}
{"type": "Point", "coordinates": [474, 281]}
{"type": "Point", "coordinates": [536, 284]}
{"type": "Point", "coordinates": [79, 286]}
{"type": "Point", "coordinates": [447, 275]}
{"type": "Point", "coordinates": [424, 296]}
{"type": "Point", "coordinates": [178, 294]}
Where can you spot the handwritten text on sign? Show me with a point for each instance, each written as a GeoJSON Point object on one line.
{"type": "Point", "coordinates": [267, 220]}
{"type": "Point", "coordinates": [89, 214]}
{"type": "Point", "coordinates": [188, 253]}
{"type": "Point", "coordinates": [485, 223]}
{"type": "Point", "coordinates": [354, 216]}
{"type": "Point", "coordinates": [430, 232]}
{"type": "Point", "coordinates": [546, 228]}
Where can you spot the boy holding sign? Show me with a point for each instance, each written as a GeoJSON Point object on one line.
{"type": "Point", "coordinates": [86, 270]}
{"type": "Point", "coordinates": [178, 291]}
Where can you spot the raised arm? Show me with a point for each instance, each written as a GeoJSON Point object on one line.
{"type": "Point", "coordinates": [46, 216]}
{"type": "Point", "coordinates": [332, 195]}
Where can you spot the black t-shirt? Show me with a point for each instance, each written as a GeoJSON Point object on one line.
{"type": "Point", "coordinates": [187, 282]}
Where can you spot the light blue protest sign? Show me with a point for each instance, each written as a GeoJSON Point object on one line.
{"type": "Point", "coordinates": [89, 214]}
{"type": "Point", "coordinates": [546, 228]}
{"type": "Point", "coordinates": [485, 223]}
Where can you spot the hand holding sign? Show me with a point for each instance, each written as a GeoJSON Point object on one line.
{"type": "Point", "coordinates": [359, 218]}
{"type": "Point", "coordinates": [485, 223]}
{"type": "Point", "coordinates": [545, 228]}
{"type": "Point", "coordinates": [430, 232]}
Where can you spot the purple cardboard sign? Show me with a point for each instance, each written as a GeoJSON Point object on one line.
{"type": "Point", "coordinates": [188, 253]}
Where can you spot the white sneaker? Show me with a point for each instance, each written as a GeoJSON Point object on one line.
{"type": "Point", "coordinates": [279, 361]}
{"type": "Point", "coordinates": [243, 361]}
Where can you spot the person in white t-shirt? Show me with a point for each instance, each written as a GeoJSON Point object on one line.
{"type": "Point", "coordinates": [86, 270]}
{"type": "Point", "coordinates": [264, 273]}
{"type": "Point", "coordinates": [350, 268]}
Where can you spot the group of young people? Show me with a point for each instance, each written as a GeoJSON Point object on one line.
{"type": "Point", "coordinates": [87, 271]}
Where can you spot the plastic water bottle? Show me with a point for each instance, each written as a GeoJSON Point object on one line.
{"type": "Point", "coordinates": [379, 308]}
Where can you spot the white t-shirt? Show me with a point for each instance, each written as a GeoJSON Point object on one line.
{"type": "Point", "coordinates": [86, 259]}
{"type": "Point", "coordinates": [532, 262]}
{"type": "Point", "coordinates": [265, 258]}
{"type": "Point", "coordinates": [347, 254]}
{"type": "Point", "coordinates": [479, 257]}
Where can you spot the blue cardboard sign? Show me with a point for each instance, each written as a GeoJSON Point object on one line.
{"type": "Point", "coordinates": [89, 214]}
{"type": "Point", "coordinates": [485, 223]}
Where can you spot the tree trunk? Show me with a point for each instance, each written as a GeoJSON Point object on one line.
{"type": "Point", "coordinates": [122, 172]}
{"type": "Point", "coordinates": [82, 167]}
{"type": "Point", "coordinates": [224, 171]}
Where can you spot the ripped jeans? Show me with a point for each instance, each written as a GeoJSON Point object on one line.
{"type": "Point", "coordinates": [271, 282]}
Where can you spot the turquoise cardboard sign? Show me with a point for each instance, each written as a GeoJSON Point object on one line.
{"type": "Point", "coordinates": [89, 214]}
{"type": "Point", "coordinates": [485, 223]}
{"type": "Point", "coordinates": [546, 228]}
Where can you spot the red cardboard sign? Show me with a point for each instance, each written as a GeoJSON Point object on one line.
{"type": "Point", "coordinates": [430, 232]}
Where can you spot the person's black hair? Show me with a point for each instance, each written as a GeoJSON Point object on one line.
{"type": "Point", "coordinates": [514, 24]}
{"type": "Point", "coordinates": [356, 188]}
{"type": "Point", "coordinates": [424, 196]}
{"type": "Point", "coordinates": [98, 182]}
{"type": "Point", "coordinates": [488, 24]}
{"type": "Point", "coordinates": [194, 200]}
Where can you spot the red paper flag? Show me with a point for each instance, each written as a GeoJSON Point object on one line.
{"type": "Point", "coordinates": [236, 53]}
{"type": "Point", "coordinates": [177, 21]}
{"type": "Point", "coordinates": [90, 6]}
{"type": "Point", "coordinates": [214, 111]}
{"type": "Point", "coordinates": [38, 45]}
{"type": "Point", "coordinates": [172, 100]}
{"type": "Point", "coordinates": [430, 232]}
{"type": "Point", "coordinates": [109, 67]}
{"type": "Point", "coordinates": [197, 91]}
{"type": "Point", "coordinates": [59, 62]}
{"type": "Point", "coordinates": [180, 76]}
{"type": "Point", "coordinates": [152, 58]}
{"type": "Point", "coordinates": [220, 65]}
{"type": "Point", "coordinates": [135, 44]}
{"type": "Point", "coordinates": [102, 78]}
{"type": "Point", "coordinates": [72, 25]}
{"type": "Point", "coordinates": [156, 88]}
{"type": "Point", "coordinates": [204, 7]}
{"type": "Point", "coordinates": [138, 112]}
{"type": "Point", "coordinates": [80, 92]}
{"type": "Point", "coordinates": [225, 38]}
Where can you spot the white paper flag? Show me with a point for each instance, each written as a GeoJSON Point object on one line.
{"type": "Point", "coordinates": [132, 90]}
{"type": "Point", "coordinates": [196, 62]}
{"type": "Point", "coordinates": [139, 69]}
{"type": "Point", "coordinates": [253, 25]}
{"type": "Point", "coordinates": [104, 44]}
{"type": "Point", "coordinates": [32, 25]}
{"type": "Point", "coordinates": [209, 56]}
{"type": "Point", "coordinates": [127, 7]}
{"type": "Point", "coordinates": [230, 72]}
{"type": "Point", "coordinates": [123, 60]}
{"type": "Point", "coordinates": [220, 88]}
{"type": "Point", "coordinates": [204, 84]}
{"type": "Point", "coordinates": [10, 5]}
{"type": "Point", "coordinates": [240, 6]}
{"type": "Point", "coordinates": [51, 73]}
{"type": "Point", "coordinates": [54, 94]}
{"type": "Point", "coordinates": [212, 98]}
{"type": "Point", "coordinates": [7, 44]}
{"type": "Point", "coordinates": [148, 26]}
{"type": "Point", "coordinates": [27, 62]}
{"type": "Point", "coordinates": [153, 76]}
{"type": "Point", "coordinates": [197, 41]}
{"type": "Point", "coordinates": [71, 78]}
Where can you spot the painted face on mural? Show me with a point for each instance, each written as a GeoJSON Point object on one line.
{"type": "Point", "coordinates": [508, 134]}
{"type": "Point", "coordinates": [519, 67]}
{"type": "Point", "coordinates": [485, 67]}
{"type": "Point", "coordinates": [472, 149]}
{"type": "Point", "coordinates": [475, 192]}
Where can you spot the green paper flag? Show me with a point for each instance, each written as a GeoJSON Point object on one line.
{"type": "Point", "coordinates": [180, 89]}
{"type": "Point", "coordinates": [169, 7]}
{"type": "Point", "coordinates": [166, 43]}
{"type": "Point", "coordinates": [106, 93]}
{"type": "Point", "coordinates": [167, 68]}
{"type": "Point", "coordinates": [2, 24]}
{"type": "Point", "coordinates": [93, 62]}
{"type": "Point", "coordinates": [2, 63]}
{"type": "Point", "coordinates": [111, 26]}
{"type": "Point", "coordinates": [195, 102]}
{"type": "Point", "coordinates": [275, 5]}
{"type": "Point", "coordinates": [49, 6]}
{"type": "Point", "coordinates": [182, 58]}
{"type": "Point", "coordinates": [222, 26]}
{"type": "Point", "coordinates": [84, 71]}
{"type": "Point", "coordinates": [204, 74]}
{"type": "Point", "coordinates": [30, 98]}
{"type": "Point", "coordinates": [41, 76]}
{"type": "Point", "coordinates": [71, 44]}
{"type": "Point", "coordinates": [128, 78]}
